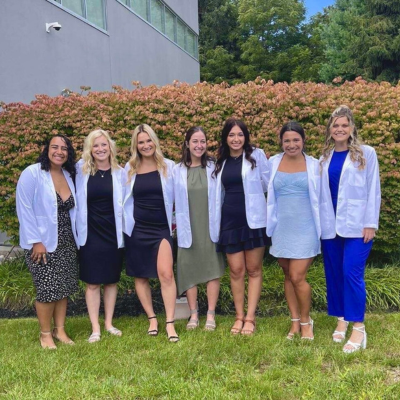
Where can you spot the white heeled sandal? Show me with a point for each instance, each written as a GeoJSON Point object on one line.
{"type": "Point", "coordinates": [311, 322]}
{"type": "Point", "coordinates": [341, 334]}
{"type": "Point", "coordinates": [356, 346]}
{"type": "Point", "coordinates": [290, 335]}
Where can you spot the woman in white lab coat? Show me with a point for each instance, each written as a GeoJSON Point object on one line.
{"type": "Point", "coordinates": [46, 212]}
{"type": "Point", "coordinates": [293, 222]}
{"type": "Point", "coordinates": [100, 188]}
{"type": "Point", "coordinates": [242, 173]}
{"type": "Point", "coordinates": [198, 262]}
{"type": "Point", "coordinates": [148, 204]}
{"type": "Point", "coordinates": [350, 203]}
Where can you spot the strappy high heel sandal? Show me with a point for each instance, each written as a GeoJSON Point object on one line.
{"type": "Point", "coordinates": [152, 332]}
{"type": "Point", "coordinates": [356, 346]}
{"type": "Point", "coordinates": [341, 334]}
{"type": "Point", "coordinates": [210, 323]}
{"type": "Point", "coordinates": [173, 338]}
{"type": "Point", "coordinates": [55, 336]}
{"type": "Point", "coordinates": [310, 322]}
{"type": "Point", "coordinates": [44, 345]}
{"type": "Point", "coordinates": [290, 335]}
{"type": "Point", "coordinates": [193, 323]}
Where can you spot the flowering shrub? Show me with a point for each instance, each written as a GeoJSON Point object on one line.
{"type": "Point", "coordinates": [172, 109]}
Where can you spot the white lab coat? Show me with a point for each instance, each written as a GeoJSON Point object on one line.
{"type": "Point", "coordinates": [183, 226]}
{"type": "Point", "coordinates": [314, 189]}
{"type": "Point", "coordinates": [168, 194]}
{"type": "Point", "coordinates": [37, 208]}
{"type": "Point", "coordinates": [359, 198]}
{"type": "Point", "coordinates": [119, 180]}
{"type": "Point", "coordinates": [255, 184]}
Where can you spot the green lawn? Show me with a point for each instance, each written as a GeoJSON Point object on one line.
{"type": "Point", "coordinates": [203, 365]}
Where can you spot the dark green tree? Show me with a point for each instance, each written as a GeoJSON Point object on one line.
{"type": "Point", "coordinates": [361, 38]}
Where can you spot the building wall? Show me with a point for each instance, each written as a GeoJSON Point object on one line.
{"type": "Point", "coordinates": [36, 62]}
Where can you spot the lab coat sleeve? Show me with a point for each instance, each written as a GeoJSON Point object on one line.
{"type": "Point", "coordinates": [371, 217]}
{"type": "Point", "coordinates": [25, 196]}
{"type": "Point", "coordinates": [265, 170]}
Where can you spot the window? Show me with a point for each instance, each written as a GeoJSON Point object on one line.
{"type": "Point", "coordinates": [191, 43]}
{"type": "Point", "coordinates": [170, 22]}
{"type": "Point", "coordinates": [157, 14]}
{"type": "Point", "coordinates": [92, 10]}
{"type": "Point", "coordinates": [140, 7]}
{"type": "Point", "coordinates": [180, 33]}
{"type": "Point", "coordinates": [157, 10]}
{"type": "Point", "coordinates": [95, 12]}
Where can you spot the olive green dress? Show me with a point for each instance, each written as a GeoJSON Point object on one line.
{"type": "Point", "coordinates": [199, 263]}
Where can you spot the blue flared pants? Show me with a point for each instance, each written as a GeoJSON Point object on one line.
{"type": "Point", "coordinates": [344, 262]}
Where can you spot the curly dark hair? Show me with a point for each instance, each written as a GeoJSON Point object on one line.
{"type": "Point", "coordinates": [223, 150]}
{"type": "Point", "coordinates": [186, 158]}
{"type": "Point", "coordinates": [69, 165]}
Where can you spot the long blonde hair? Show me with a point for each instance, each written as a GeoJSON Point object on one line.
{"type": "Point", "coordinates": [89, 165]}
{"type": "Point", "coordinates": [354, 143]}
{"type": "Point", "coordinates": [136, 157]}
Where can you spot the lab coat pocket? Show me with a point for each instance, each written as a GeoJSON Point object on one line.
{"type": "Point", "coordinates": [357, 177]}
{"type": "Point", "coordinates": [355, 213]}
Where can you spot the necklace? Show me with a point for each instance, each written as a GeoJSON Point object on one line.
{"type": "Point", "coordinates": [102, 175]}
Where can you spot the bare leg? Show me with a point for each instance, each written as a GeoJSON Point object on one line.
{"type": "Point", "coordinates": [237, 269]}
{"type": "Point", "coordinates": [254, 259]}
{"type": "Point", "coordinates": [194, 314]}
{"type": "Point", "coordinates": [44, 313]}
{"type": "Point", "coordinates": [60, 312]}
{"type": "Point", "coordinates": [110, 297]}
{"type": "Point", "coordinates": [290, 296]}
{"type": "Point", "coordinates": [212, 296]}
{"type": "Point", "coordinates": [143, 291]}
{"type": "Point", "coordinates": [92, 296]}
{"type": "Point", "coordinates": [167, 281]}
{"type": "Point", "coordinates": [298, 271]}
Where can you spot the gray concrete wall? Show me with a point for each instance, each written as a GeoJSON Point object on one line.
{"type": "Point", "coordinates": [34, 61]}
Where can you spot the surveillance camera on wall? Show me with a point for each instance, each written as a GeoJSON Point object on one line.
{"type": "Point", "coordinates": [54, 25]}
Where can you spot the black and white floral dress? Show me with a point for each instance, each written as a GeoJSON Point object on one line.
{"type": "Point", "coordinates": [59, 277]}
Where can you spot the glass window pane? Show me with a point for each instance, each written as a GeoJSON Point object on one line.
{"type": "Point", "coordinates": [180, 34]}
{"type": "Point", "coordinates": [74, 5]}
{"type": "Point", "coordinates": [190, 43]}
{"type": "Point", "coordinates": [140, 7]}
{"type": "Point", "coordinates": [156, 9]}
{"type": "Point", "coordinates": [126, 2]}
{"type": "Point", "coordinates": [95, 12]}
{"type": "Point", "coordinates": [170, 24]}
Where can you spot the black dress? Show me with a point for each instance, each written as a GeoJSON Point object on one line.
{"type": "Point", "coordinates": [236, 235]}
{"type": "Point", "coordinates": [100, 259]}
{"type": "Point", "coordinates": [151, 227]}
{"type": "Point", "coordinates": [59, 277]}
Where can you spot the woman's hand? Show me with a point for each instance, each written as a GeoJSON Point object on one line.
{"type": "Point", "coordinates": [368, 234]}
{"type": "Point", "coordinates": [39, 253]}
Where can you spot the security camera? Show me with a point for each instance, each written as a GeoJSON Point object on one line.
{"type": "Point", "coordinates": [54, 25]}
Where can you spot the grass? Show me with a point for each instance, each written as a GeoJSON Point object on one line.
{"type": "Point", "coordinates": [203, 365]}
{"type": "Point", "coordinates": [382, 281]}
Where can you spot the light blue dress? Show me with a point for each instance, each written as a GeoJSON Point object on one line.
{"type": "Point", "coordinates": [295, 235]}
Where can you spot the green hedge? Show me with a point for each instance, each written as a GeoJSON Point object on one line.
{"type": "Point", "coordinates": [172, 109]}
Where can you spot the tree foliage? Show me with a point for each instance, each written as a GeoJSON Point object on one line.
{"type": "Point", "coordinates": [257, 38]}
{"type": "Point", "coordinates": [361, 38]}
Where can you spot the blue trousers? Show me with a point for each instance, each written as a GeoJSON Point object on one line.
{"type": "Point", "coordinates": [344, 261]}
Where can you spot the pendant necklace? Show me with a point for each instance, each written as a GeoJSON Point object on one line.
{"type": "Point", "coordinates": [102, 175]}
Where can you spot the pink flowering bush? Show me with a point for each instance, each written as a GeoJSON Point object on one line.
{"type": "Point", "coordinates": [172, 109]}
